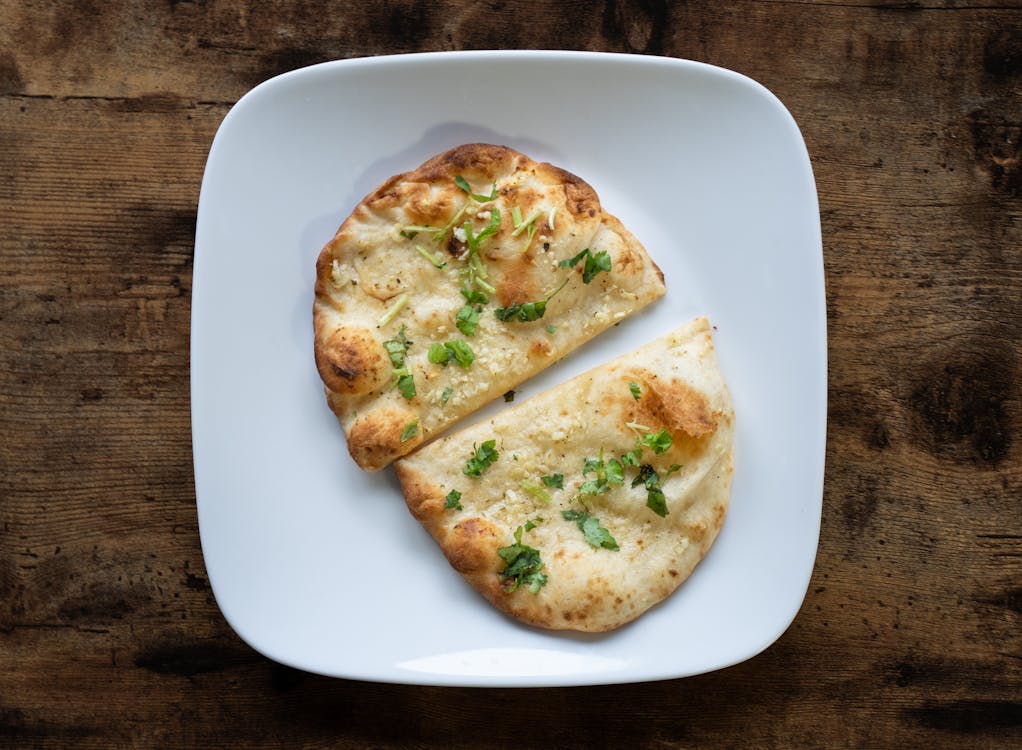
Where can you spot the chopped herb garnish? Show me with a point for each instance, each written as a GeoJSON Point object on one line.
{"type": "Point", "coordinates": [474, 296]}
{"type": "Point", "coordinates": [634, 456]}
{"type": "Point", "coordinates": [463, 184]}
{"type": "Point", "coordinates": [554, 480]}
{"type": "Point", "coordinates": [634, 388]}
{"type": "Point", "coordinates": [446, 395]}
{"type": "Point", "coordinates": [406, 385]}
{"type": "Point", "coordinates": [453, 501]}
{"type": "Point", "coordinates": [467, 320]}
{"type": "Point", "coordinates": [461, 352]}
{"type": "Point", "coordinates": [526, 312]}
{"type": "Point", "coordinates": [655, 499]}
{"type": "Point", "coordinates": [536, 491]}
{"type": "Point", "coordinates": [473, 240]}
{"type": "Point", "coordinates": [595, 534]}
{"type": "Point", "coordinates": [435, 260]}
{"type": "Point", "coordinates": [437, 354]}
{"type": "Point", "coordinates": [509, 397]}
{"type": "Point", "coordinates": [485, 455]}
{"type": "Point", "coordinates": [659, 442]}
{"type": "Point", "coordinates": [570, 262]}
{"type": "Point", "coordinates": [522, 225]}
{"type": "Point", "coordinates": [594, 263]}
{"type": "Point", "coordinates": [411, 430]}
{"type": "Point", "coordinates": [607, 473]}
{"type": "Point", "coordinates": [393, 310]}
{"type": "Point", "coordinates": [396, 349]}
{"type": "Point", "coordinates": [522, 565]}
{"type": "Point", "coordinates": [551, 329]}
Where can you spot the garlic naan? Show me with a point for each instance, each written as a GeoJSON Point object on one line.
{"type": "Point", "coordinates": [585, 505]}
{"type": "Point", "coordinates": [455, 282]}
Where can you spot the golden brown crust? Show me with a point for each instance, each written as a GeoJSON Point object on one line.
{"type": "Point", "coordinates": [376, 436]}
{"type": "Point", "coordinates": [350, 360]}
{"type": "Point", "coordinates": [372, 283]}
{"type": "Point", "coordinates": [675, 405]}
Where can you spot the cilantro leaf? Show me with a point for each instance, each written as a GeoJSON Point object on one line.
{"type": "Point", "coordinates": [463, 184]}
{"type": "Point", "coordinates": [474, 240]}
{"type": "Point", "coordinates": [437, 354]}
{"type": "Point", "coordinates": [411, 430]}
{"type": "Point", "coordinates": [467, 320]}
{"type": "Point", "coordinates": [536, 491]}
{"type": "Point", "coordinates": [656, 501]}
{"type": "Point", "coordinates": [570, 262]}
{"type": "Point", "coordinates": [615, 472]}
{"type": "Point", "coordinates": [460, 352]}
{"type": "Point", "coordinates": [522, 565]}
{"type": "Point", "coordinates": [485, 455]}
{"type": "Point", "coordinates": [396, 349]}
{"type": "Point", "coordinates": [659, 442]}
{"type": "Point", "coordinates": [594, 263]}
{"type": "Point", "coordinates": [406, 385]}
{"type": "Point", "coordinates": [595, 534]}
{"type": "Point", "coordinates": [647, 476]}
{"type": "Point", "coordinates": [634, 388]}
{"type": "Point", "coordinates": [526, 311]}
{"type": "Point", "coordinates": [474, 296]}
{"type": "Point", "coordinates": [634, 456]}
{"type": "Point", "coordinates": [446, 395]}
{"type": "Point", "coordinates": [453, 500]}
{"type": "Point", "coordinates": [607, 473]}
{"type": "Point", "coordinates": [554, 480]}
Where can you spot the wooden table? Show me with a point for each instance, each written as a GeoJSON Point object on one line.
{"type": "Point", "coordinates": [911, 632]}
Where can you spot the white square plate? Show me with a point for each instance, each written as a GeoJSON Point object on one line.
{"type": "Point", "coordinates": [320, 566]}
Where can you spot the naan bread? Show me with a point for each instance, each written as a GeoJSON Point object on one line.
{"type": "Point", "coordinates": [379, 280]}
{"type": "Point", "coordinates": [670, 387]}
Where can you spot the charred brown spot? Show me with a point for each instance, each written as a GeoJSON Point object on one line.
{"type": "Point", "coordinates": [673, 573]}
{"type": "Point", "coordinates": [455, 247]}
{"type": "Point", "coordinates": [341, 372]}
{"type": "Point", "coordinates": [677, 405]}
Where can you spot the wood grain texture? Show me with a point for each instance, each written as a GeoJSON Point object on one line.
{"type": "Point", "coordinates": [911, 632]}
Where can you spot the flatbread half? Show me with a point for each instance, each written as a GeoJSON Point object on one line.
{"type": "Point", "coordinates": [453, 283]}
{"type": "Point", "coordinates": [595, 499]}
